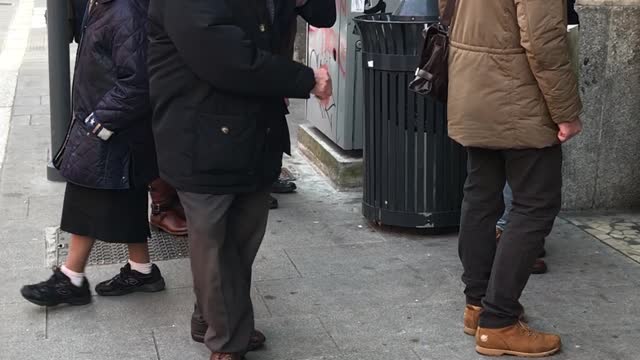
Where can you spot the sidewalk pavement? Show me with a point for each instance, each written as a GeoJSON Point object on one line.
{"type": "Point", "coordinates": [328, 286]}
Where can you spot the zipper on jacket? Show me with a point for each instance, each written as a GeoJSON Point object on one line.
{"type": "Point", "coordinates": [85, 25]}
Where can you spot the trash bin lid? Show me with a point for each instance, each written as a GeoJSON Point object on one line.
{"type": "Point", "coordinates": [418, 8]}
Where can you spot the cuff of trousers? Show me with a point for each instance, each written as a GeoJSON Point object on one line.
{"type": "Point", "coordinates": [301, 3]}
{"type": "Point", "coordinates": [97, 128]}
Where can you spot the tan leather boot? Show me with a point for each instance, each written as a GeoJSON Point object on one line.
{"type": "Point", "coordinates": [167, 213]}
{"type": "Point", "coordinates": [516, 340]}
{"type": "Point", "coordinates": [471, 319]}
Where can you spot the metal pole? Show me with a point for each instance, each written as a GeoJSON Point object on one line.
{"type": "Point", "coordinates": [59, 78]}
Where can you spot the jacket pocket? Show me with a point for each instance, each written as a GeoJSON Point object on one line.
{"type": "Point", "coordinates": [89, 161]}
{"type": "Point", "coordinates": [226, 144]}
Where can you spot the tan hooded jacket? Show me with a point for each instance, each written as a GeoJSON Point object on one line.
{"type": "Point", "coordinates": [510, 78]}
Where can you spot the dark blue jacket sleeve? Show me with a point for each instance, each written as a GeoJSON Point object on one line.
{"type": "Point", "coordinates": [128, 100]}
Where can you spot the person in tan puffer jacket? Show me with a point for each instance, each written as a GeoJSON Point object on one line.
{"type": "Point", "coordinates": [513, 99]}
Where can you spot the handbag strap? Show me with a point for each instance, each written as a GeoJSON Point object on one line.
{"type": "Point", "coordinates": [448, 12]}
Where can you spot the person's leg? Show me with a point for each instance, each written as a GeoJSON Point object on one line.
{"type": "Point", "coordinates": [535, 177]}
{"type": "Point", "coordinates": [68, 284]}
{"type": "Point", "coordinates": [79, 251]}
{"type": "Point", "coordinates": [219, 277]}
{"type": "Point", "coordinates": [507, 194]}
{"type": "Point", "coordinates": [139, 274]}
{"type": "Point", "coordinates": [139, 253]}
{"type": "Point", "coordinates": [481, 208]}
{"type": "Point", "coordinates": [249, 235]}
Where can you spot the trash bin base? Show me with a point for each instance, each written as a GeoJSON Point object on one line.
{"type": "Point", "coordinates": [435, 220]}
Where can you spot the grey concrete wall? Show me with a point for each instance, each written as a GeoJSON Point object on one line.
{"type": "Point", "coordinates": [602, 166]}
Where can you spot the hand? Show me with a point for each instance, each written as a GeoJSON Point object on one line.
{"type": "Point", "coordinates": [324, 87]}
{"type": "Point", "coordinates": [569, 129]}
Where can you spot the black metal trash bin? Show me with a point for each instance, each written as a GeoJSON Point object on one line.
{"type": "Point", "coordinates": [414, 174]}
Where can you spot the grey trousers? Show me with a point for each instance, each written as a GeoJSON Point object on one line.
{"type": "Point", "coordinates": [225, 233]}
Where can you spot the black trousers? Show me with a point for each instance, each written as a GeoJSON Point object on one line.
{"type": "Point", "coordinates": [495, 274]}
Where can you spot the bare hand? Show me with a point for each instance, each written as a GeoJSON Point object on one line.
{"type": "Point", "coordinates": [324, 87]}
{"type": "Point", "coordinates": [569, 130]}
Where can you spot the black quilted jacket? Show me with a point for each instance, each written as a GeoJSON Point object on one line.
{"type": "Point", "coordinates": [110, 143]}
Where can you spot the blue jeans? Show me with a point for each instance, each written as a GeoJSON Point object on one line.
{"type": "Point", "coordinates": [508, 204]}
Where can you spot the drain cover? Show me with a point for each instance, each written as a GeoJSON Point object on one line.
{"type": "Point", "coordinates": [162, 246]}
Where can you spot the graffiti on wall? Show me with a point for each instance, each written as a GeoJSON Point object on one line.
{"type": "Point", "coordinates": [328, 50]}
{"type": "Point", "coordinates": [322, 55]}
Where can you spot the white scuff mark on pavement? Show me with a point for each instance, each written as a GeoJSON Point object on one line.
{"type": "Point", "coordinates": [11, 57]}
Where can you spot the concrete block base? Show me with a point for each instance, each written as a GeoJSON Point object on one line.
{"type": "Point", "coordinates": [344, 168]}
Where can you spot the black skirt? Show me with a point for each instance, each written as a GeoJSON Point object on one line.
{"type": "Point", "coordinates": [115, 216]}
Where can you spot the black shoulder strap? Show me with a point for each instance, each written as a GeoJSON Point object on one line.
{"type": "Point", "coordinates": [448, 12]}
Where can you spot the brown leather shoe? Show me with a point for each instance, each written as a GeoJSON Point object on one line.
{"type": "Point", "coordinates": [199, 329]}
{"type": "Point", "coordinates": [226, 356]}
{"type": "Point", "coordinates": [471, 319]}
{"type": "Point", "coordinates": [167, 213]}
{"type": "Point", "coordinates": [516, 340]}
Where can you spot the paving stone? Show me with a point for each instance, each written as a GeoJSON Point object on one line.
{"type": "Point", "coordinates": [14, 207]}
{"type": "Point", "coordinates": [109, 345]}
{"type": "Point", "coordinates": [377, 328]}
{"type": "Point", "coordinates": [22, 320]}
{"type": "Point", "coordinates": [312, 261]}
{"type": "Point", "coordinates": [294, 337]}
{"type": "Point", "coordinates": [132, 312]}
{"type": "Point", "coordinates": [27, 101]}
{"type": "Point", "coordinates": [15, 279]}
{"type": "Point", "coordinates": [31, 110]}
{"type": "Point", "coordinates": [41, 120]}
{"type": "Point", "coordinates": [46, 209]}
{"type": "Point", "coordinates": [174, 343]}
{"type": "Point", "coordinates": [24, 255]}
{"type": "Point", "coordinates": [273, 264]}
{"type": "Point", "coordinates": [336, 293]}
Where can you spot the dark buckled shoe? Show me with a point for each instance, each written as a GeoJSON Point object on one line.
{"type": "Point", "coordinates": [199, 329]}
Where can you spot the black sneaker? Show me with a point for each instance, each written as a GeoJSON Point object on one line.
{"type": "Point", "coordinates": [130, 281]}
{"type": "Point", "coordinates": [57, 290]}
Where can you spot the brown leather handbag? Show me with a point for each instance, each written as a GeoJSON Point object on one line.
{"type": "Point", "coordinates": [432, 75]}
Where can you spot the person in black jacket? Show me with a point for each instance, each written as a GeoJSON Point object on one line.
{"type": "Point", "coordinates": [108, 157]}
{"type": "Point", "coordinates": [218, 86]}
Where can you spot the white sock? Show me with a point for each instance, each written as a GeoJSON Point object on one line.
{"type": "Point", "coordinates": [76, 278]}
{"type": "Point", "coordinates": [141, 268]}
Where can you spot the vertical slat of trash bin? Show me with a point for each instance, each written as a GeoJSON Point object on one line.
{"type": "Point", "coordinates": [440, 165]}
{"type": "Point", "coordinates": [422, 145]}
{"type": "Point", "coordinates": [393, 141]}
{"type": "Point", "coordinates": [410, 135]}
{"type": "Point", "coordinates": [401, 176]}
{"type": "Point", "coordinates": [386, 135]}
{"type": "Point", "coordinates": [430, 151]}
{"type": "Point", "coordinates": [380, 148]}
